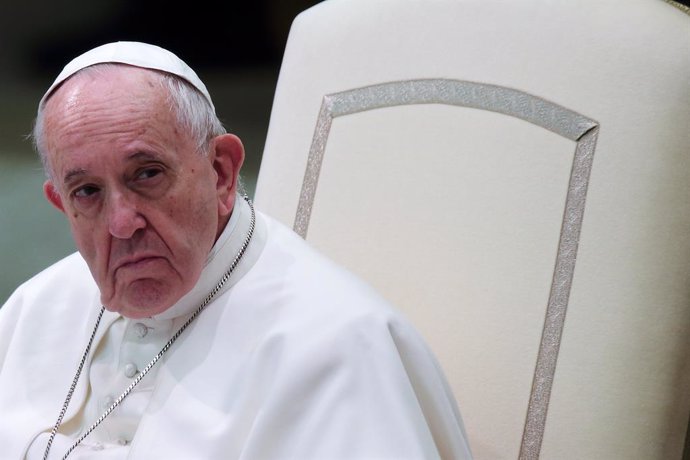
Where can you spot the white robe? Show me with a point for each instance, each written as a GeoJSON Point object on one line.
{"type": "Point", "coordinates": [295, 359]}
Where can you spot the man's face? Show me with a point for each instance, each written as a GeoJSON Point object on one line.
{"type": "Point", "coordinates": [142, 203]}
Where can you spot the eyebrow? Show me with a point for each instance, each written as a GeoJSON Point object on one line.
{"type": "Point", "coordinates": [139, 155]}
{"type": "Point", "coordinates": [72, 174]}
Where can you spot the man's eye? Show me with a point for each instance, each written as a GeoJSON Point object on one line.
{"type": "Point", "coordinates": [85, 191]}
{"type": "Point", "coordinates": [148, 173]}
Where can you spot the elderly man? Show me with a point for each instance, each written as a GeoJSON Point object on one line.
{"type": "Point", "coordinates": [188, 325]}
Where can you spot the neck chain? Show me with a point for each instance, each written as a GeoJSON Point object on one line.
{"type": "Point", "coordinates": [155, 359]}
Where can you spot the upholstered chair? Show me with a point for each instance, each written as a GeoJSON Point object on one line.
{"type": "Point", "coordinates": [514, 175]}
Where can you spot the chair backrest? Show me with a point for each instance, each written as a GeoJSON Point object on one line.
{"type": "Point", "coordinates": [489, 166]}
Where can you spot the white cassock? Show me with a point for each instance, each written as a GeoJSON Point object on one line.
{"type": "Point", "coordinates": [295, 359]}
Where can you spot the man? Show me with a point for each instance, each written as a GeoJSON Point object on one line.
{"type": "Point", "coordinates": [206, 330]}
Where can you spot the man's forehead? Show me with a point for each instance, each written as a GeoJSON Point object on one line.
{"type": "Point", "coordinates": [117, 102]}
{"type": "Point", "coordinates": [135, 54]}
{"type": "Point", "coordinates": [100, 82]}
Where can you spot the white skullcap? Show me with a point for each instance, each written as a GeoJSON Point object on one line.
{"type": "Point", "coordinates": [136, 54]}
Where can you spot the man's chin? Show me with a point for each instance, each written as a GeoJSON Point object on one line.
{"type": "Point", "coordinates": [141, 303]}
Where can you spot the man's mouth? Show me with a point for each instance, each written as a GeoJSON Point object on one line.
{"type": "Point", "coordinates": [137, 262]}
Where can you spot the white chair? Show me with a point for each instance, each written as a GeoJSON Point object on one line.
{"type": "Point", "coordinates": [490, 165]}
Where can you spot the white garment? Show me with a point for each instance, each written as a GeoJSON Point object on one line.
{"type": "Point", "coordinates": [295, 359]}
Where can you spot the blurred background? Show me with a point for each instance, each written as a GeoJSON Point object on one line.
{"type": "Point", "coordinates": [235, 47]}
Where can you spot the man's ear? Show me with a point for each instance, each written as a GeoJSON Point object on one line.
{"type": "Point", "coordinates": [52, 195]}
{"type": "Point", "coordinates": [228, 156]}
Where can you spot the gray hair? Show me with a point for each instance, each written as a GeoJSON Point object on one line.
{"type": "Point", "coordinates": [192, 111]}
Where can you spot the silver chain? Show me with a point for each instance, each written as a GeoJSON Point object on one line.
{"type": "Point", "coordinates": [166, 347]}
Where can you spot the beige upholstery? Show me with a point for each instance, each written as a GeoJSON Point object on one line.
{"type": "Point", "coordinates": [442, 149]}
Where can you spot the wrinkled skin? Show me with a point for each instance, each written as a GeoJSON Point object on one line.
{"type": "Point", "coordinates": [144, 206]}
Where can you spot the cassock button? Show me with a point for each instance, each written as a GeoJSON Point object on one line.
{"type": "Point", "coordinates": [141, 330]}
{"type": "Point", "coordinates": [131, 370]}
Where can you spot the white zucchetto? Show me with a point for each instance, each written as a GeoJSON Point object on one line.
{"type": "Point", "coordinates": [136, 54]}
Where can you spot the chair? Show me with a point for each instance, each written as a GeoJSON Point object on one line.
{"type": "Point", "coordinates": [514, 176]}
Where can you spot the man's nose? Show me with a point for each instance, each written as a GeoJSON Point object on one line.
{"type": "Point", "coordinates": [124, 216]}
